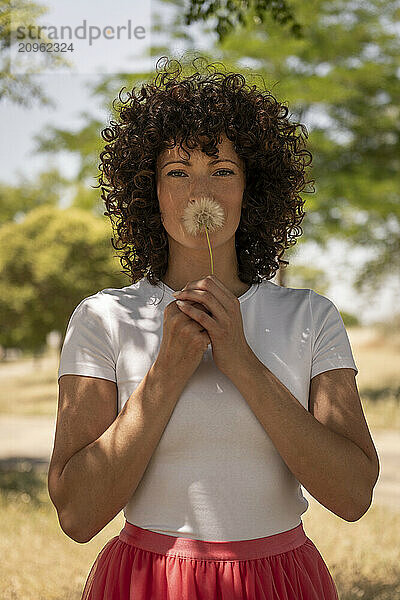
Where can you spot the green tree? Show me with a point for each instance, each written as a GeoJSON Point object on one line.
{"type": "Point", "coordinates": [344, 69]}
{"type": "Point", "coordinates": [29, 193]}
{"type": "Point", "coordinates": [231, 13]}
{"type": "Point", "coordinates": [22, 88]}
{"type": "Point", "coordinates": [84, 143]}
{"type": "Point", "coordinates": [49, 262]}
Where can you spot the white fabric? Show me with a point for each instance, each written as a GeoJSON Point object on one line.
{"type": "Point", "coordinates": [215, 474]}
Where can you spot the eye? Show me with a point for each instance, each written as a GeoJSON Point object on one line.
{"type": "Point", "coordinates": [229, 171]}
{"type": "Point", "coordinates": [174, 172]}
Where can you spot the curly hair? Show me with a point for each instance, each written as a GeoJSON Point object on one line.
{"type": "Point", "coordinates": [195, 110]}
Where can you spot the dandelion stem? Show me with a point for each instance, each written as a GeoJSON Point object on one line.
{"type": "Point", "coordinates": [209, 246]}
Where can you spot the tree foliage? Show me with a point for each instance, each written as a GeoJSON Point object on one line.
{"type": "Point", "coordinates": [231, 13]}
{"type": "Point", "coordinates": [341, 79]}
{"type": "Point", "coordinates": [17, 87]}
{"type": "Point", "coordinates": [49, 262]}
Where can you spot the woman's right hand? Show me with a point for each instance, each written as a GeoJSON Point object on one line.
{"type": "Point", "coordinates": [183, 343]}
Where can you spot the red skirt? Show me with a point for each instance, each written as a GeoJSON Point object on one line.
{"type": "Point", "coordinates": [139, 564]}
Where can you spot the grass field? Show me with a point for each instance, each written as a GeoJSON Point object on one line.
{"type": "Point", "coordinates": [29, 387]}
{"type": "Point", "coordinates": [39, 562]}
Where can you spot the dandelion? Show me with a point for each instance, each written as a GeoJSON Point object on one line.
{"type": "Point", "coordinates": [203, 213]}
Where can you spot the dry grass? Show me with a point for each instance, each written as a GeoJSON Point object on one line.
{"type": "Point", "coordinates": [363, 557]}
{"type": "Point", "coordinates": [377, 354]}
{"type": "Point", "coordinates": [29, 387]}
{"type": "Point", "coordinates": [39, 562]}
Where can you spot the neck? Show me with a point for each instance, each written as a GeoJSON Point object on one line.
{"type": "Point", "coordinates": [191, 264]}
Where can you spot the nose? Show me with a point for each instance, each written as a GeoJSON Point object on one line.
{"type": "Point", "coordinates": [200, 186]}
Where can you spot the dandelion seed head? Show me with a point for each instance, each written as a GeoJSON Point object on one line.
{"type": "Point", "coordinates": [201, 213]}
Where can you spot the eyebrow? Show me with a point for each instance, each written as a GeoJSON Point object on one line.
{"type": "Point", "coordinates": [212, 162]}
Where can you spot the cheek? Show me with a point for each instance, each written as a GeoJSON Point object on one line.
{"type": "Point", "coordinates": [162, 188]}
{"type": "Point", "coordinates": [167, 190]}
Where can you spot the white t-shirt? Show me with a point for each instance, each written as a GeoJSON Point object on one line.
{"type": "Point", "coordinates": [215, 474]}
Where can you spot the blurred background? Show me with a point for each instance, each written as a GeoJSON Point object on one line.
{"type": "Point", "coordinates": [336, 65]}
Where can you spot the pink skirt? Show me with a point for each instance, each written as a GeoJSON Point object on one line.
{"type": "Point", "coordinates": [139, 564]}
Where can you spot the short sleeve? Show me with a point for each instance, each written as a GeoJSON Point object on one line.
{"type": "Point", "coordinates": [330, 343]}
{"type": "Point", "coordinates": [87, 348]}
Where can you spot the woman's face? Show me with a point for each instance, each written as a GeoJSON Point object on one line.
{"type": "Point", "coordinates": [179, 182]}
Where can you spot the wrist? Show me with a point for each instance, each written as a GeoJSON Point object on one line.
{"type": "Point", "coordinates": [244, 362]}
{"type": "Point", "coordinates": [170, 378]}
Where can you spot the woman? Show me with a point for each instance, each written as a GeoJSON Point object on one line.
{"type": "Point", "coordinates": [213, 433]}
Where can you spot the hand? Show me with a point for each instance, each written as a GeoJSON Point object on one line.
{"type": "Point", "coordinates": [223, 324]}
{"type": "Point", "coordinates": [183, 343]}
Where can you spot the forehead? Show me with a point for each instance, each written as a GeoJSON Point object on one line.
{"type": "Point", "coordinates": [225, 149]}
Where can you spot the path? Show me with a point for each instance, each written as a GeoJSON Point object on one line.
{"type": "Point", "coordinates": [32, 438]}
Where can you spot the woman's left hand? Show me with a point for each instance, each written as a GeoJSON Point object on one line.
{"type": "Point", "coordinates": [224, 325]}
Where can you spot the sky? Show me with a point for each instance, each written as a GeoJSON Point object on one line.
{"type": "Point", "coordinates": [70, 92]}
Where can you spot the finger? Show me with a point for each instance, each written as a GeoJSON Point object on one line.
{"type": "Point", "coordinates": [213, 278]}
{"type": "Point", "coordinates": [219, 282]}
{"type": "Point", "coordinates": [196, 314]}
{"type": "Point", "coordinates": [218, 289]}
{"type": "Point", "coordinates": [198, 305]}
{"type": "Point", "coordinates": [207, 299]}
{"type": "Point", "coordinates": [211, 284]}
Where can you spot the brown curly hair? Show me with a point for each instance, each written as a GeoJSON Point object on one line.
{"type": "Point", "coordinates": [195, 110]}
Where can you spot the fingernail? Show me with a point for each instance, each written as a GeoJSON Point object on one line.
{"type": "Point", "coordinates": [181, 302]}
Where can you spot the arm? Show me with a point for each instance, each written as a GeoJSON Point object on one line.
{"type": "Point", "coordinates": [98, 481]}
{"type": "Point", "coordinates": [334, 470]}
